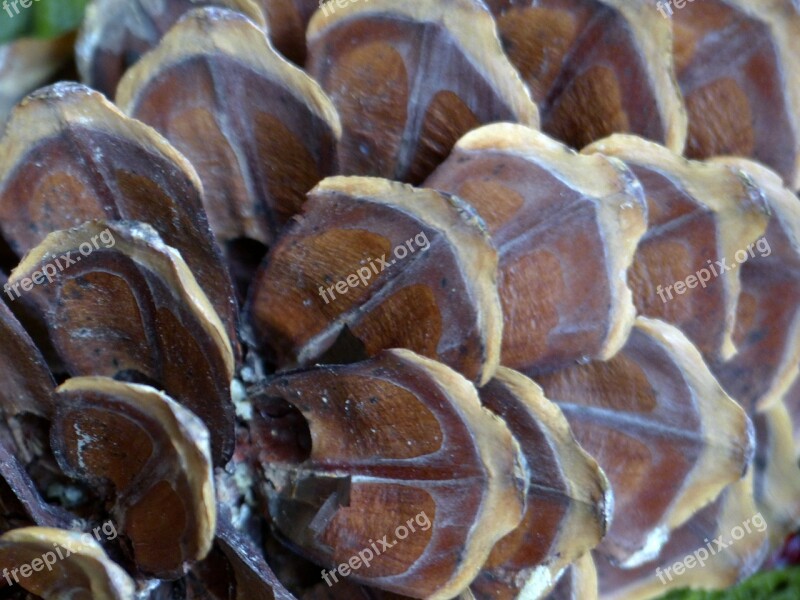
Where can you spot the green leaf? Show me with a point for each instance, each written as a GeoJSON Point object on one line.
{"type": "Point", "coordinates": [772, 585]}
{"type": "Point", "coordinates": [40, 18]}
{"type": "Point", "coordinates": [13, 25]}
{"type": "Point", "coordinates": [51, 18]}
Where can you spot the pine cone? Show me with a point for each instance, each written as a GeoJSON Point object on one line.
{"type": "Point", "coordinates": [475, 300]}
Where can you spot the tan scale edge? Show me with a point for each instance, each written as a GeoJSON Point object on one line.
{"type": "Point", "coordinates": [584, 577]}
{"type": "Point", "coordinates": [783, 19]}
{"type": "Point", "coordinates": [721, 570]}
{"type": "Point", "coordinates": [785, 207]}
{"type": "Point", "coordinates": [778, 485]}
{"type": "Point", "coordinates": [25, 64]}
{"type": "Point", "coordinates": [473, 29]}
{"type": "Point", "coordinates": [622, 219]}
{"type": "Point", "coordinates": [48, 112]}
{"type": "Point", "coordinates": [741, 209]}
{"type": "Point", "coordinates": [493, 440]}
{"type": "Point", "coordinates": [727, 433]}
{"type": "Point", "coordinates": [205, 32]}
{"type": "Point", "coordinates": [107, 580]}
{"type": "Point", "coordinates": [189, 438]}
{"type": "Point", "coordinates": [144, 247]}
{"type": "Point", "coordinates": [89, 37]}
{"type": "Point", "coordinates": [462, 231]}
{"type": "Point", "coordinates": [653, 35]}
{"type": "Point", "coordinates": [588, 518]}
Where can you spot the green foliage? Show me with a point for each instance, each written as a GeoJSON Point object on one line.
{"type": "Point", "coordinates": [42, 19]}
{"type": "Point", "coordinates": [18, 26]}
{"type": "Point", "coordinates": [772, 585]}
